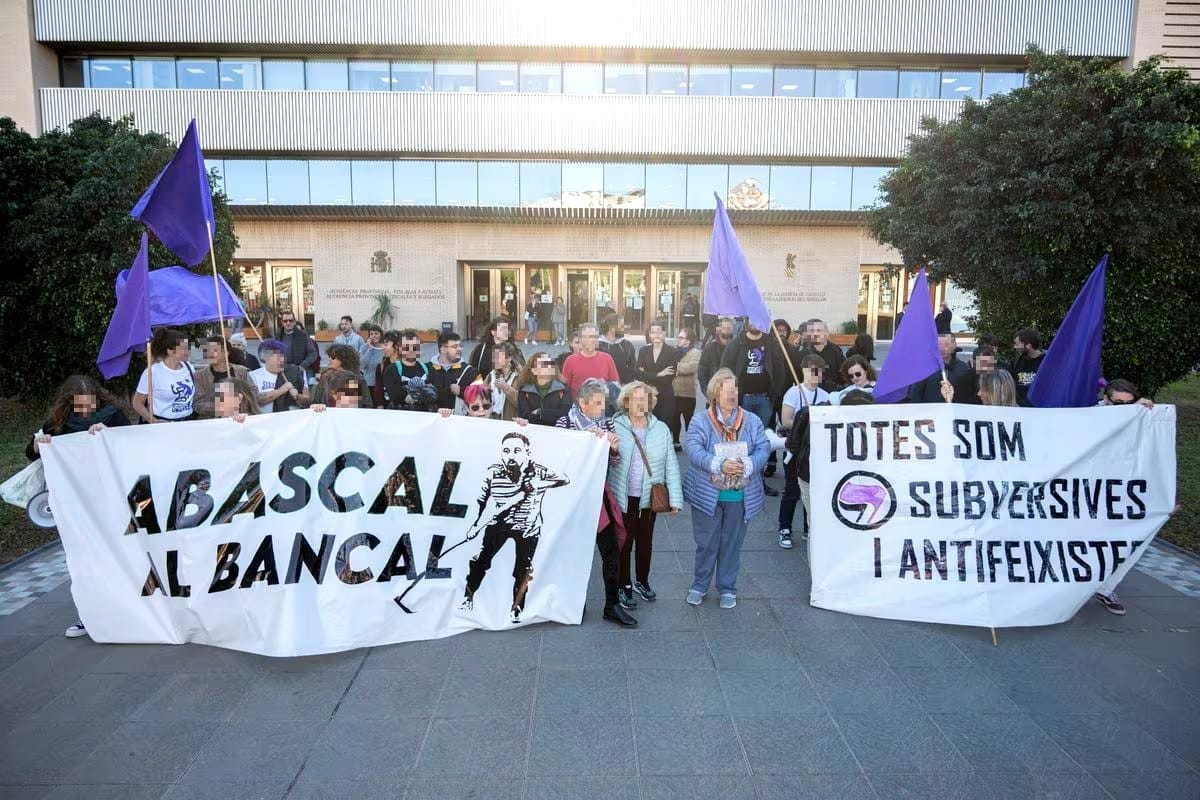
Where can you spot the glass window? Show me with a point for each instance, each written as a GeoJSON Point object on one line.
{"type": "Point", "coordinates": [834, 82]}
{"type": "Point", "coordinates": [287, 182]}
{"type": "Point", "coordinates": [545, 78]}
{"type": "Point", "coordinates": [74, 70]}
{"type": "Point", "coordinates": [997, 82]}
{"type": "Point", "coordinates": [583, 78]}
{"type": "Point", "coordinates": [109, 73]}
{"type": "Point", "coordinates": [625, 185]}
{"type": "Point", "coordinates": [582, 185]}
{"type": "Point", "coordinates": [866, 185]}
{"type": "Point", "coordinates": [239, 73]}
{"type": "Point", "coordinates": [499, 183]}
{"type": "Point", "coordinates": [667, 79]}
{"type": "Point", "coordinates": [710, 81]}
{"type": "Point", "coordinates": [703, 182]}
{"type": "Point", "coordinates": [624, 78]}
{"type": "Point", "coordinates": [154, 73]}
{"type": "Point", "coordinates": [752, 81]}
{"type": "Point", "coordinates": [831, 189]}
{"type": "Point", "coordinates": [325, 74]}
{"type": "Point", "coordinates": [412, 76]}
{"type": "Point", "coordinates": [414, 182]}
{"type": "Point", "coordinates": [790, 188]}
{"type": "Point", "coordinates": [749, 187]}
{"type": "Point", "coordinates": [793, 82]}
{"type": "Point", "coordinates": [497, 77]}
{"type": "Point", "coordinates": [370, 76]}
{"type": "Point", "coordinates": [541, 184]}
{"type": "Point", "coordinates": [922, 84]}
{"type": "Point", "coordinates": [456, 183]}
{"type": "Point", "coordinates": [666, 186]}
{"type": "Point", "coordinates": [279, 73]}
{"type": "Point", "coordinates": [329, 183]}
{"type": "Point", "coordinates": [372, 181]}
{"type": "Point", "coordinates": [959, 84]}
{"type": "Point", "coordinates": [197, 73]}
{"type": "Point", "coordinates": [216, 165]}
{"type": "Point", "coordinates": [454, 76]}
{"type": "Point", "coordinates": [246, 181]}
{"type": "Point", "coordinates": [877, 82]}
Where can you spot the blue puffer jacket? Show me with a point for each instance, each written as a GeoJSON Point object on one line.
{"type": "Point", "coordinates": [702, 438]}
{"type": "Point", "coordinates": [663, 462]}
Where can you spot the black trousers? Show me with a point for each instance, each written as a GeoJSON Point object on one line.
{"type": "Point", "coordinates": [494, 538]}
{"type": "Point", "coordinates": [684, 408]}
{"type": "Point", "coordinates": [606, 543]}
{"type": "Point", "coordinates": [639, 530]}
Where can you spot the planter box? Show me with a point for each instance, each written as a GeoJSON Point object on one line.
{"type": "Point", "coordinates": [325, 336]}
{"type": "Point", "coordinates": [842, 339]}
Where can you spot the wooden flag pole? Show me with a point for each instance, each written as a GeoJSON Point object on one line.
{"type": "Point", "coordinates": [994, 642]}
{"type": "Point", "coordinates": [150, 381]}
{"type": "Point", "coordinates": [217, 291]}
{"type": "Point", "coordinates": [786, 357]}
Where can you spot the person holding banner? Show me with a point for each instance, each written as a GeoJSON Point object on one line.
{"type": "Point", "coordinates": [217, 368]}
{"type": "Point", "coordinates": [173, 378]}
{"type": "Point", "coordinates": [280, 386]}
{"type": "Point", "coordinates": [726, 450]}
{"type": "Point", "coordinates": [234, 399]}
{"type": "Point", "coordinates": [343, 389]}
{"type": "Point", "coordinates": [542, 398]}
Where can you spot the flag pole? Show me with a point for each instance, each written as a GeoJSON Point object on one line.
{"type": "Point", "coordinates": [150, 380]}
{"type": "Point", "coordinates": [217, 291]}
{"type": "Point", "coordinates": [786, 357]}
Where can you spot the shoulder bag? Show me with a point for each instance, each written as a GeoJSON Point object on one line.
{"type": "Point", "coordinates": [660, 496]}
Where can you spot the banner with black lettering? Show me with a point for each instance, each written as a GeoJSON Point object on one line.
{"type": "Point", "coordinates": [304, 532]}
{"type": "Point", "coordinates": [983, 515]}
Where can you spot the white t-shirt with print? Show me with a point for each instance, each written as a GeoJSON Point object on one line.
{"type": "Point", "coordinates": [263, 382]}
{"type": "Point", "coordinates": [174, 390]}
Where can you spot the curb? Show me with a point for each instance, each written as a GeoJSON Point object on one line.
{"type": "Point", "coordinates": [31, 555]}
{"type": "Point", "coordinates": [1177, 550]}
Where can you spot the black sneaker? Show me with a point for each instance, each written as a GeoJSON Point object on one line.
{"type": "Point", "coordinates": [620, 616]}
{"type": "Point", "coordinates": [643, 589]}
{"type": "Point", "coordinates": [769, 490]}
{"type": "Point", "coordinates": [626, 598]}
{"type": "Point", "coordinates": [769, 471]}
{"type": "Point", "coordinates": [1111, 603]}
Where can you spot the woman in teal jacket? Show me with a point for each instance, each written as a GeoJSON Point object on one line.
{"type": "Point", "coordinates": [630, 481]}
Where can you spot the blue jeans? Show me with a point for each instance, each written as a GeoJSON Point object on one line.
{"type": "Point", "coordinates": [719, 538]}
{"type": "Point", "coordinates": [760, 406]}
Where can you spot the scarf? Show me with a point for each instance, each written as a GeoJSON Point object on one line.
{"type": "Point", "coordinates": [729, 433]}
{"type": "Point", "coordinates": [581, 421]}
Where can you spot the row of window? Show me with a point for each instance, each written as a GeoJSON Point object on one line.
{"type": "Point", "coordinates": [539, 184]}
{"type": "Point", "coordinates": [589, 78]}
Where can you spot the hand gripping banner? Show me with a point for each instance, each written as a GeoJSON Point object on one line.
{"type": "Point", "coordinates": [304, 533]}
{"type": "Point", "coordinates": [983, 515]}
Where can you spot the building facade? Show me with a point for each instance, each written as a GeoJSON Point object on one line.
{"type": "Point", "coordinates": [454, 160]}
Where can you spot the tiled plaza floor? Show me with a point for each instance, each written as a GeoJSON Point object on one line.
{"type": "Point", "coordinates": [774, 699]}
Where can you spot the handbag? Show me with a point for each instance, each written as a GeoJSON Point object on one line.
{"type": "Point", "coordinates": [660, 497]}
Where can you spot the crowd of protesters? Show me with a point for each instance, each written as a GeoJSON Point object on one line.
{"type": "Point", "coordinates": [728, 402]}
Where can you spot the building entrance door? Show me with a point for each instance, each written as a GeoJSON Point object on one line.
{"type": "Point", "coordinates": [679, 296]}
{"type": "Point", "coordinates": [876, 303]}
{"type": "Point", "coordinates": [495, 292]}
{"type": "Point", "coordinates": [291, 289]}
{"type": "Point", "coordinates": [589, 295]}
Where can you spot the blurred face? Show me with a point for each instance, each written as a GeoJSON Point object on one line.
{"type": "Point", "coordinates": [482, 407]}
{"type": "Point", "coordinates": [818, 333]}
{"type": "Point", "coordinates": [592, 405]}
{"type": "Point", "coordinates": [683, 339]}
{"type": "Point", "coordinates": [228, 402]}
{"type": "Point", "coordinates": [725, 329]}
{"type": "Point", "coordinates": [947, 346]}
{"type": "Point", "coordinates": [858, 375]}
{"type": "Point", "coordinates": [84, 404]}
{"type": "Point", "coordinates": [348, 398]}
{"type": "Point", "coordinates": [812, 375]}
{"type": "Point", "coordinates": [274, 361]}
{"type": "Point", "coordinates": [543, 370]}
{"type": "Point", "coordinates": [638, 403]}
{"type": "Point", "coordinates": [985, 363]}
{"type": "Point", "coordinates": [501, 333]}
{"type": "Point", "coordinates": [181, 350]}
{"type": "Point", "coordinates": [589, 339]}
{"type": "Point", "coordinates": [213, 355]}
{"type": "Point", "coordinates": [288, 321]}
{"type": "Point", "coordinates": [656, 334]}
{"type": "Point", "coordinates": [451, 351]}
{"type": "Point", "coordinates": [373, 338]}
{"type": "Point", "coordinates": [619, 330]}
{"type": "Point", "coordinates": [727, 395]}
{"type": "Point", "coordinates": [410, 350]}
{"type": "Point", "coordinates": [783, 332]}
{"type": "Point", "coordinates": [499, 360]}
{"type": "Point", "coordinates": [1018, 345]}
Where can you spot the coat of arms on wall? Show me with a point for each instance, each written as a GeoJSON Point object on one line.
{"type": "Point", "coordinates": [381, 262]}
{"type": "Point", "coordinates": [789, 268]}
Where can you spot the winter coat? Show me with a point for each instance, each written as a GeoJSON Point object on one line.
{"type": "Point", "coordinates": [661, 453]}
{"type": "Point", "coordinates": [702, 437]}
{"type": "Point", "coordinates": [539, 410]}
{"type": "Point", "coordinates": [204, 403]}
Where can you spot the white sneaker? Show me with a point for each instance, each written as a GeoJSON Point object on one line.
{"type": "Point", "coordinates": [514, 615]}
{"type": "Point", "coordinates": [728, 600]}
{"type": "Point", "coordinates": [785, 539]}
{"type": "Point", "coordinates": [694, 598]}
{"type": "Point", "coordinates": [467, 604]}
{"type": "Point", "coordinates": [75, 631]}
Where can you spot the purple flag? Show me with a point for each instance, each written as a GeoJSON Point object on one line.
{"type": "Point", "coordinates": [178, 205]}
{"type": "Point", "coordinates": [129, 328]}
{"type": "Point", "coordinates": [730, 289]}
{"type": "Point", "coordinates": [914, 354]}
{"type": "Point", "coordinates": [1070, 372]}
{"type": "Point", "coordinates": [179, 296]}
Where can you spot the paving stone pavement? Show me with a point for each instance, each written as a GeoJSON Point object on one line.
{"type": "Point", "coordinates": [774, 699]}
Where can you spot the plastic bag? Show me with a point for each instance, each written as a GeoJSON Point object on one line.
{"type": "Point", "coordinates": [25, 485]}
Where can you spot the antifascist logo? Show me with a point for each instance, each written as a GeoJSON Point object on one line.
{"type": "Point", "coordinates": [863, 500]}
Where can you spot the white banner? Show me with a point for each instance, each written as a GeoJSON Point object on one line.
{"type": "Point", "coordinates": [983, 515]}
{"type": "Point", "coordinates": [302, 533]}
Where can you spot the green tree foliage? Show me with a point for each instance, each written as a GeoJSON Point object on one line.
{"type": "Point", "coordinates": [1019, 198]}
{"type": "Point", "coordinates": [65, 233]}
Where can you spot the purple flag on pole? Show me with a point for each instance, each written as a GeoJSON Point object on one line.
{"type": "Point", "coordinates": [178, 205]}
{"type": "Point", "coordinates": [179, 296]}
{"type": "Point", "coordinates": [914, 354]}
{"type": "Point", "coordinates": [1070, 372]}
{"type": "Point", "coordinates": [730, 289]}
{"type": "Point", "coordinates": [129, 327]}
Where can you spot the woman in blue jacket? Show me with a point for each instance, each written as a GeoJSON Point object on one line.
{"type": "Point", "coordinates": [647, 457]}
{"type": "Point", "coordinates": [726, 449]}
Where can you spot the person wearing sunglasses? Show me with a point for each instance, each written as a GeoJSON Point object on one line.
{"type": "Point", "coordinates": [542, 398]}
{"type": "Point", "coordinates": [477, 402]}
{"type": "Point", "coordinates": [857, 374]}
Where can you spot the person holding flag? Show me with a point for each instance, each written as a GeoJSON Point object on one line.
{"type": "Point", "coordinates": [915, 355]}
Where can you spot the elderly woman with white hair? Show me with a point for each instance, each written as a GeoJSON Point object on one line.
{"type": "Point", "coordinates": [645, 482]}
{"type": "Point", "coordinates": [727, 449]}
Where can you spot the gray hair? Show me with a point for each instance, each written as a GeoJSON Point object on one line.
{"type": "Point", "coordinates": [590, 388]}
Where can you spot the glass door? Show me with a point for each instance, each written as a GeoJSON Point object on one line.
{"type": "Point", "coordinates": [480, 302]}
{"type": "Point", "coordinates": [291, 288]}
{"type": "Point", "coordinates": [542, 290]}
{"type": "Point", "coordinates": [633, 295]}
{"type": "Point", "coordinates": [876, 304]}
{"type": "Point", "coordinates": [667, 300]}
{"type": "Point", "coordinates": [603, 297]}
{"type": "Point", "coordinates": [579, 302]}
{"type": "Point", "coordinates": [690, 300]}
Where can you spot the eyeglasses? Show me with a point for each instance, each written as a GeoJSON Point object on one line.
{"type": "Point", "coordinates": [480, 406]}
{"type": "Point", "coordinates": [857, 374]}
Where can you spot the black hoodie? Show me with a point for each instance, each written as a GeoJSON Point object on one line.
{"type": "Point", "coordinates": [769, 380]}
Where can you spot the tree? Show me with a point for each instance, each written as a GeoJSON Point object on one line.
{"type": "Point", "coordinates": [1017, 200]}
{"type": "Point", "coordinates": [65, 233]}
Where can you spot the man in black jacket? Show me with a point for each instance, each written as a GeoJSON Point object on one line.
{"type": "Point", "coordinates": [830, 353]}
{"type": "Point", "coordinates": [714, 351]}
{"type": "Point", "coordinates": [448, 372]}
{"type": "Point", "coordinates": [621, 349]}
{"type": "Point", "coordinates": [301, 349]}
{"type": "Point", "coordinates": [943, 318]}
{"type": "Point", "coordinates": [754, 361]}
{"type": "Point", "coordinates": [960, 374]}
{"type": "Point", "coordinates": [1028, 344]}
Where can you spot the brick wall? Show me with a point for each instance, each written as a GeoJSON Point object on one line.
{"type": "Point", "coordinates": [426, 278]}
